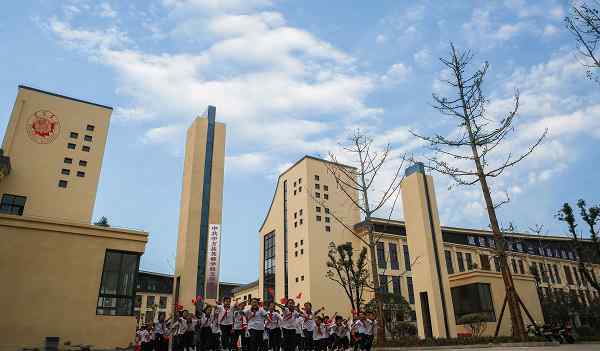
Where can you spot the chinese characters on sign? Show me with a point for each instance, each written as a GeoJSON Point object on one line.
{"type": "Point", "coordinates": [212, 264]}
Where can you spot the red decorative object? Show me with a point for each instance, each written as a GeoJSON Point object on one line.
{"type": "Point", "coordinates": [43, 127]}
{"type": "Point", "coordinates": [299, 296]}
{"type": "Point", "coordinates": [283, 301]}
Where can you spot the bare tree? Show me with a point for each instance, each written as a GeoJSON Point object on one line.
{"type": "Point", "coordinates": [584, 23]}
{"type": "Point", "coordinates": [587, 252]}
{"type": "Point", "coordinates": [352, 275]}
{"type": "Point", "coordinates": [358, 185]}
{"type": "Point", "coordinates": [468, 156]}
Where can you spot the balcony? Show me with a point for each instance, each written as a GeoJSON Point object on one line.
{"type": "Point", "coordinates": [4, 165]}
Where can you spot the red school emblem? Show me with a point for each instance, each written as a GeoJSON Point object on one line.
{"type": "Point", "coordinates": [43, 127]}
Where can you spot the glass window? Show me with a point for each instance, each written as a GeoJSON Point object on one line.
{"type": "Point", "coordinates": [557, 275]}
{"type": "Point", "coordinates": [149, 317]}
{"type": "Point", "coordinates": [326, 196]}
{"type": "Point", "coordinates": [299, 189]}
{"type": "Point", "coordinates": [383, 283]}
{"type": "Point", "coordinates": [381, 255]}
{"type": "Point", "coordinates": [318, 218]}
{"type": "Point", "coordinates": [316, 177]}
{"type": "Point", "coordinates": [74, 135]}
{"type": "Point", "coordinates": [269, 267]}
{"type": "Point", "coordinates": [543, 272]}
{"type": "Point", "coordinates": [318, 209]}
{"type": "Point", "coordinates": [473, 298]}
{"type": "Point", "coordinates": [497, 264]}
{"type": "Point", "coordinates": [407, 264]}
{"type": "Point", "coordinates": [117, 287]}
{"type": "Point", "coordinates": [325, 187]}
{"type": "Point", "coordinates": [514, 265]}
{"type": "Point", "coordinates": [461, 263]}
{"type": "Point", "coordinates": [65, 171]}
{"type": "Point", "coordinates": [163, 302]}
{"type": "Point", "coordinates": [80, 174]}
{"type": "Point", "coordinates": [12, 204]}
{"type": "Point", "coordinates": [394, 264]}
{"type": "Point", "coordinates": [469, 261]}
{"type": "Point", "coordinates": [87, 138]}
{"type": "Point", "coordinates": [327, 228]}
{"type": "Point", "coordinates": [90, 128]}
{"type": "Point", "coordinates": [82, 163]}
{"type": "Point", "coordinates": [62, 183]}
{"type": "Point", "coordinates": [327, 210]}
{"type": "Point", "coordinates": [318, 195]}
{"type": "Point", "coordinates": [138, 301]}
{"type": "Point", "coordinates": [396, 285]}
{"type": "Point", "coordinates": [327, 220]}
{"type": "Point", "coordinates": [482, 241]}
{"type": "Point", "coordinates": [449, 266]}
{"type": "Point", "coordinates": [85, 148]}
{"type": "Point", "coordinates": [150, 301]}
{"type": "Point", "coordinates": [521, 267]}
{"type": "Point", "coordinates": [317, 186]}
{"type": "Point", "coordinates": [485, 262]}
{"type": "Point", "coordinates": [471, 240]}
{"type": "Point", "coordinates": [411, 291]}
{"type": "Point", "coordinates": [551, 273]}
{"type": "Point", "coordinates": [71, 146]}
{"type": "Point", "coordinates": [68, 160]}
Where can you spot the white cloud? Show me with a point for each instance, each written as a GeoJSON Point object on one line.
{"type": "Point", "coordinates": [217, 5]}
{"type": "Point", "coordinates": [397, 73]}
{"type": "Point", "coordinates": [105, 10]}
{"type": "Point", "coordinates": [166, 134]}
{"type": "Point", "coordinates": [550, 30]}
{"type": "Point", "coordinates": [254, 162]}
{"type": "Point", "coordinates": [486, 32]}
{"type": "Point", "coordinates": [422, 57]}
{"type": "Point", "coordinates": [380, 39]}
{"type": "Point", "coordinates": [137, 113]}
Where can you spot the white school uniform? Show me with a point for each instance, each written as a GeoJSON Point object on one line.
{"type": "Point", "coordinates": [239, 320]}
{"type": "Point", "coordinates": [225, 314]}
{"type": "Point", "coordinates": [309, 323]}
{"type": "Point", "coordinates": [256, 319]}
{"type": "Point", "coordinates": [320, 332]}
{"type": "Point", "coordinates": [360, 326]}
{"type": "Point", "coordinates": [273, 320]}
{"type": "Point", "coordinates": [371, 327]}
{"type": "Point", "coordinates": [288, 319]}
{"type": "Point", "coordinates": [299, 322]}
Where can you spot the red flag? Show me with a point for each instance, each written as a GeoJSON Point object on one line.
{"type": "Point", "coordinates": [193, 301]}
{"type": "Point", "coordinates": [199, 298]}
{"type": "Point", "coordinates": [299, 296]}
{"type": "Point", "coordinates": [283, 301]}
{"type": "Point", "coordinates": [271, 291]}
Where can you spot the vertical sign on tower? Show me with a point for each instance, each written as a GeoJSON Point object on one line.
{"type": "Point", "coordinates": [212, 264]}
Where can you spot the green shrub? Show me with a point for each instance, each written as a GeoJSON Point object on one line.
{"type": "Point", "coordinates": [415, 341]}
{"type": "Point", "coordinates": [585, 331]}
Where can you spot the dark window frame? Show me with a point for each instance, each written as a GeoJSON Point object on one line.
{"type": "Point", "coordinates": [393, 249]}
{"type": "Point", "coordinates": [131, 296]}
{"type": "Point", "coordinates": [10, 205]}
{"type": "Point", "coordinates": [269, 267]}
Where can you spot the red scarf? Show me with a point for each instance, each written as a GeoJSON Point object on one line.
{"type": "Point", "coordinates": [224, 314]}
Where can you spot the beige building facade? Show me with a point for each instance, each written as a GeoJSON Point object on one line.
{"type": "Point", "coordinates": [71, 282]}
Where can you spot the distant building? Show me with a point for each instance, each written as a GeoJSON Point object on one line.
{"type": "Point", "coordinates": [69, 279]}
{"type": "Point", "coordinates": [245, 292]}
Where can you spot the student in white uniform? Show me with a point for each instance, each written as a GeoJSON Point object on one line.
{"type": "Point", "coordinates": [308, 326]}
{"type": "Point", "coordinates": [203, 329]}
{"type": "Point", "coordinates": [224, 313]}
{"type": "Point", "coordinates": [289, 315]}
{"type": "Point", "coordinates": [340, 332]}
{"type": "Point", "coordinates": [240, 326]}
{"type": "Point", "coordinates": [320, 335]}
{"type": "Point", "coordinates": [273, 327]}
{"type": "Point", "coordinates": [299, 339]}
{"type": "Point", "coordinates": [255, 315]}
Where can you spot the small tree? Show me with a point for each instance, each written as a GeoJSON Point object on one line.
{"type": "Point", "coordinates": [352, 275]}
{"type": "Point", "coordinates": [468, 155]}
{"type": "Point", "coordinates": [587, 252]}
{"type": "Point", "coordinates": [584, 23]}
{"type": "Point", "coordinates": [477, 322]}
{"type": "Point", "coordinates": [102, 222]}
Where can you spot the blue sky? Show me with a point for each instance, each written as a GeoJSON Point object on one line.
{"type": "Point", "coordinates": [291, 78]}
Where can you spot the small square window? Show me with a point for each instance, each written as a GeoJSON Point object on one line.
{"type": "Point", "coordinates": [300, 212]}
{"type": "Point", "coordinates": [85, 148]}
{"type": "Point", "coordinates": [327, 219]}
{"type": "Point", "coordinates": [301, 251]}
{"type": "Point", "coordinates": [299, 189]}
{"type": "Point", "coordinates": [71, 146]}
{"type": "Point", "coordinates": [327, 228]}
{"type": "Point", "coordinates": [74, 135]}
{"type": "Point", "coordinates": [318, 195]}
{"type": "Point", "coordinates": [318, 218]}
{"type": "Point", "coordinates": [68, 160]}
{"type": "Point", "coordinates": [295, 215]}
{"type": "Point", "coordinates": [325, 187]}
{"type": "Point", "coordinates": [296, 253]}
{"type": "Point", "coordinates": [300, 221]}
{"type": "Point", "coordinates": [295, 224]}
{"type": "Point", "coordinates": [326, 196]}
{"type": "Point", "coordinates": [302, 242]}
{"type": "Point", "coordinates": [299, 180]}
{"type": "Point", "coordinates": [317, 186]}
{"type": "Point", "coordinates": [294, 192]}
{"type": "Point", "coordinates": [65, 171]}
{"type": "Point", "coordinates": [296, 279]}
{"type": "Point", "coordinates": [294, 184]}
{"type": "Point", "coordinates": [326, 210]}
{"type": "Point", "coordinates": [302, 278]}
{"type": "Point", "coordinates": [316, 177]}
{"type": "Point", "coordinates": [87, 138]}
{"type": "Point", "coordinates": [318, 209]}
{"type": "Point", "coordinates": [296, 244]}
{"type": "Point", "coordinates": [80, 174]}
{"type": "Point", "coordinates": [82, 163]}
{"type": "Point", "coordinates": [62, 183]}
{"type": "Point", "coordinates": [90, 128]}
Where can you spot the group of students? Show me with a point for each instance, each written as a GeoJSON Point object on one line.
{"type": "Point", "coordinates": [254, 327]}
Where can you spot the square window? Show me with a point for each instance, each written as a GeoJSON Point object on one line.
{"type": "Point", "coordinates": [296, 244]}
{"type": "Point", "coordinates": [62, 183]}
{"type": "Point", "coordinates": [90, 128]}
{"type": "Point", "coordinates": [82, 163]}
{"type": "Point", "coordinates": [318, 218]}
{"type": "Point", "coordinates": [301, 251]}
{"type": "Point", "coordinates": [299, 180]}
{"type": "Point", "coordinates": [85, 148]}
{"type": "Point", "coordinates": [87, 138]}
{"type": "Point", "coordinates": [296, 253]}
{"type": "Point", "coordinates": [294, 192]}
{"type": "Point", "coordinates": [326, 210]}
{"type": "Point", "coordinates": [295, 224]}
{"type": "Point", "coordinates": [327, 228]}
{"type": "Point", "coordinates": [80, 174]}
{"type": "Point", "coordinates": [325, 187]}
{"type": "Point", "coordinates": [295, 215]}
{"type": "Point", "coordinates": [71, 146]}
{"type": "Point", "coordinates": [74, 135]}
{"type": "Point", "coordinates": [318, 209]}
{"type": "Point", "coordinates": [316, 177]}
{"type": "Point", "coordinates": [326, 196]}
{"type": "Point", "coordinates": [300, 212]}
{"type": "Point", "coordinates": [317, 186]}
{"type": "Point", "coordinates": [300, 221]}
{"type": "Point", "coordinates": [68, 160]}
{"type": "Point", "coordinates": [299, 189]}
{"type": "Point", "coordinates": [302, 278]}
{"type": "Point", "coordinates": [294, 184]}
{"type": "Point", "coordinates": [327, 219]}
{"type": "Point", "coordinates": [302, 242]}
{"type": "Point", "coordinates": [296, 279]}
{"type": "Point", "coordinates": [65, 171]}
{"type": "Point", "coordinates": [12, 204]}
{"type": "Point", "coordinates": [318, 195]}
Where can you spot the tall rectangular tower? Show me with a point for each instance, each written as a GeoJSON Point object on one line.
{"type": "Point", "coordinates": [55, 145]}
{"type": "Point", "coordinates": [198, 244]}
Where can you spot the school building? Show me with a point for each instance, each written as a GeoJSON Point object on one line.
{"type": "Point", "coordinates": [444, 272]}
{"type": "Point", "coordinates": [71, 282]}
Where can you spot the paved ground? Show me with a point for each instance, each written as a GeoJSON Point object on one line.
{"type": "Point", "coordinates": [574, 347]}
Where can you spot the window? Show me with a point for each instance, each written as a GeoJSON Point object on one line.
{"type": "Point", "coordinates": [62, 183]}
{"type": "Point", "coordinates": [71, 146]}
{"type": "Point", "coordinates": [297, 279]}
{"type": "Point", "coordinates": [295, 224]}
{"type": "Point", "coordinates": [138, 301]}
{"type": "Point", "coordinates": [299, 189]}
{"type": "Point", "coordinates": [318, 209]}
{"type": "Point", "coordinates": [296, 244]}
{"type": "Point", "coordinates": [301, 251]}
{"type": "Point", "coordinates": [296, 253]}
{"type": "Point", "coordinates": [162, 302]}
{"type": "Point", "coordinates": [492, 243]}
{"type": "Point", "coordinates": [383, 283]}
{"type": "Point", "coordinates": [471, 240]}
{"type": "Point", "coordinates": [82, 163]}
{"type": "Point", "coordinates": [551, 273]}
{"type": "Point", "coordinates": [318, 218]}
{"type": "Point", "coordinates": [74, 135]}
{"type": "Point", "coordinates": [326, 196]}
{"type": "Point", "coordinates": [299, 181]}
{"type": "Point", "coordinates": [521, 267]}
{"type": "Point", "coordinates": [485, 262]}
{"type": "Point", "coordinates": [381, 255]}
{"type": "Point", "coordinates": [90, 128]}
{"type": "Point", "coordinates": [497, 264]}
{"type": "Point", "coordinates": [65, 171]}
{"type": "Point", "coordinates": [316, 178]}
{"type": "Point", "coordinates": [149, 316]}
{"type": "Point", "coordinates": [461, 263]}
{"type": "Point", "coordinates": [327, 220]}
{"type": "Point", "coordinates": [318, 195]}
{"type": "Point", "coordinates": [300, 212]}
{"type": "Point", "coordinates": [396, 285]}
{"type": "Point", "coordinates": [85, 148]}
{"type": "Point", "coordinates": [317, 186]}
{"type": "Point", "coordinates": [327, 228]}
{"type": "Point", "coordinates": [557, 274]}
{"type": "Point", "coordinates": [576, 276]}
{"type": "Point", "coordinates": [543, 272]}
{"type": "Point", "coordinates": [68, 160]}
{"type": "Point", "coordinates": [411, 291]}
{"type": "Point", "coordinates": [117, 289]}
{"type": "Point", "coordinates": [469, 261]}
{"type": "Point", "coordinates": [295, 215]}
{"type": "Point", "coordinates": [269, 267]}
{"type": "Point", "coordinates": [473, 298]}
{"type": "Point", "coordinates": [520, 247]}
{"type": "Point", "coordinates": [301, 221]}
{"type": "Point", "coordinates": [394, 256]}
{"type": "Point", "coordinates": [514, 265]}
{"type": "Point", "coordinates": [12, 204]}
{"type": "Point", "coordinates": [326, 210]}
{"type": "Point", "coordinates": [80, 174]}
{"type": "Point", "coordinates": [482, 241]}
{"type": "Point", "coordinates": [302, 242]}
{"type": "Point", "coordinates": [87, 138]}
{"type": "Point", "coordinates": [325, 187]}
{"type": "Point", "coordinates": [294, 184]}
{"type": "Point", "coordinates": [407, 264]}
{"type": "Point", "coordinates": [449, 266]}
{"type": "Point", "coordinates": [150, 301]}
{"type": "Point", "coordinates": [302, 278]}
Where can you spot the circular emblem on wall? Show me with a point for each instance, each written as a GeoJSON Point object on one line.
{"type": "Point", "coordinates": [43, 127]}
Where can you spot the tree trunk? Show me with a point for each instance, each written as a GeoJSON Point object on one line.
{"type": "Point", "coordinates": [376, 287]}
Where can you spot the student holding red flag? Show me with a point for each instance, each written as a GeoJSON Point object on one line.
{"type": "Point", "coordinates": [255, 315]}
